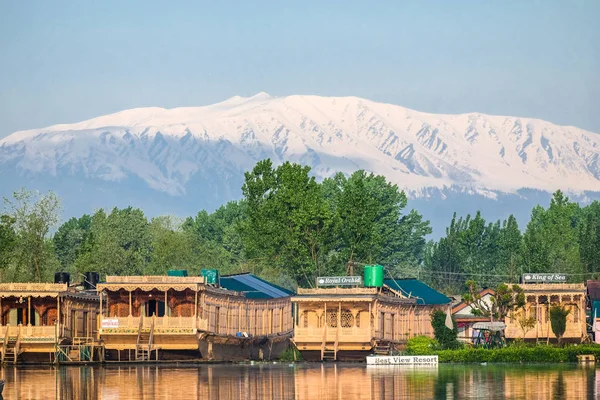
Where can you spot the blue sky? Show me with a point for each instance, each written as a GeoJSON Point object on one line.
{"type": "Point", "coordinates": [62, 62]}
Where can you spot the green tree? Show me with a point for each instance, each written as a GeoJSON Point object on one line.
{"type": "Point", "coordinates": [446, 337]}
{"type": "Point", "coordinates": [589, 237]}
{"type": "Point", "coordinates": [119, 243]}
{"type": "Point", "coordinates": [550, 243]}
{"type": "Point", "coordinates": [286, 219]}
{"type": "Point", "coordinates": [558, 321]}
{"type": "Point", "coordinates": [369, 224]}
{"type": "Point", "coordinates": [34, 214]}
{"type": "Point", "coordinates": [506, 300]}
{"type": "Point", "coordinates": [8, 242]}
{"type": "Point", "coordinates": [71, 240]}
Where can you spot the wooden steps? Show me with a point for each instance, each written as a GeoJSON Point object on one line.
{"type": "Point", "coordinates": [11, 352]}
{"type": "Point", "coordinates": [329, 352]}
{"type": "Point", "coordinates": [382, 349]}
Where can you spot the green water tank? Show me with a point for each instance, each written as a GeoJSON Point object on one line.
{"type": "Point", "coordinates": [373, 275]}
{"type": "Point", "coordinates": [177, 272]}
{"type": "Point", "coordinates": [211, 276]}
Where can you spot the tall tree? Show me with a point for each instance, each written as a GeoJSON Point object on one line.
{"type": "Point", "coordinates": [8, 242]}
{"type": "Point", "coordinates": [285, 220]}
{"type": "Point", "coordinates": [550, 243]}
{"type": "Point", "coordinates": [120, 243]}
{"type": "Point", "coordinates": [70, 240]}
{"type": "Point", "coordinates": [34, 214]}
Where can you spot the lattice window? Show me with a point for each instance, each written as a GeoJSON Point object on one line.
{"type": "Point", "coordinates": [358, 319]}
{"type": "Point", "coordinates": [332, 319]}
{"type": "Point", "coordinates": [347, 319]}
{"type": "Point", "coordinates": [305, 319]}
{"type": "Point", "coordinates": [533, 312]}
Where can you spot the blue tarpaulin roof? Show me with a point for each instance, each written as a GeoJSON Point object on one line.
{"type": "Point", "coordinates": [415, 288]}
{"type": "Point", "coordinates": [253, 286]}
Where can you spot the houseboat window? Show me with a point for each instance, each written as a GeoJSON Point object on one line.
{"type": "Point", "coordinates": [332, 319]}
{"type": "Point", "coordinates": [533, 311]}
{"type": "Point", "coordinates": [34, 317]}
{"type": "Point", "coordinates": [305, 319]}
{"type": "Point", "coordinates": [16, 316]}
{"type": "Point", "coordinates": [575, 312]}
{"type": "Point", "coordinates": [347, 319]}
{"type": "Point", "coordinates": [85, 324]}
{"type": "Point", "coordinates": [358, 319]}
{"type": "Point", "coordinates": [155, 307]}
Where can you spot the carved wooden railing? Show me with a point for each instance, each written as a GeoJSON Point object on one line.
{"type": "Point", "coordinates": [18, 344]}
{"type": "Point", "coordinates": [151, 337]}
{"type": "Point", "coordinates": [5, 344]}
{"type": "Point", "coordinates": [324, 341]}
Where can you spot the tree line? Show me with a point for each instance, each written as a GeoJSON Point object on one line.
{"type": "Point", "coordinates": [289, 228]}
{"type": "Point", "coordinates": [563, 238]}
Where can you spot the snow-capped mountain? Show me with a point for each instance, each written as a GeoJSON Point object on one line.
{"type": "Point", "coordinates": [197, 155]}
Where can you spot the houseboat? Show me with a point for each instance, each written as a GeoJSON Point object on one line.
{"type": "Point", "coordinates": [540, 297]}
{"type": "Point", "coordinates": [350, 322]}
{"type": "Point", "coordinates": [38, 318]}
{"type": "Point", "coordinates": [181, 317]}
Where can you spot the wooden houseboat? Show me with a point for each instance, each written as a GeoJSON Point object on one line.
{"type": "Point", "coordinates": [344, 323]}
{"type": "Point", "coordinates": [38, 318]}
{"type": "Point", "coordinates": [540, 297]}
{"type": "Point", "coordinates": [179, 317]}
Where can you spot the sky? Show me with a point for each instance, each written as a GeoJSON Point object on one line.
{"type": "Point", "coordinates": [63, 62]}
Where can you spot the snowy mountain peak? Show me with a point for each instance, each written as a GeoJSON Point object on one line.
{"type": "Point", "coordinates": [170, 149]}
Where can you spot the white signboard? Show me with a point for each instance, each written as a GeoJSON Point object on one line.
{"type": "Point", "coordinates": [401, 360]}
{"type": "Point", "coordinates": [542, 278]}
{"type": "Point", "coordinates": [109, 323]}
{"type": "Point", "coordinates": [339, 280]}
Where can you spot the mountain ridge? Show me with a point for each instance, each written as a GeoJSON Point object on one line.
{"type": "Point", "coordinates": [203, 151]}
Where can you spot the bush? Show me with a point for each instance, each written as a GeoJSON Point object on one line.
{"type": "Point", "coordinates": [291, 354]}
{"type": "Point", "coordinates": [517, 354]}
{"type": "Point", "coordinates": [445, 337]}
{"type": "Point", "coordinates": [420, 345]}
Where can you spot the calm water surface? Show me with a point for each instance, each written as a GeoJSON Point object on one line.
{"type": "Point", "coordinates": [303, 381]}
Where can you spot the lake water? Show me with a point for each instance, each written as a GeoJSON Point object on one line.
{"type": "Point", "coordinates": [303, 381]}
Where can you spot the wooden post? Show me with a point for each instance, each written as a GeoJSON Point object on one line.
{"type": "Point", "coordinates": [166, 304]}
{"type": "Point", "coordinates": [100, 304]}
{"type": "Point", "coordinates": [196, 304]}
{"type": "Point", "coordinates": [2, 314]}
{"type": "Point", "coordinates": [57, 322]}
{"type": "Point", "coordinates": [130, 306]}
{"type": "Point", "coordinates": [28, 310]}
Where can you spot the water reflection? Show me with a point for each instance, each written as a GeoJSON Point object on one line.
{"type": "Point", "coordinates": [305, 381]}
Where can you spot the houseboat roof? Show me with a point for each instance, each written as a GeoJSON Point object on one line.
{"type": "Point", "coordinates": [349, 294]}
{"type": "Point", "coordinates": [414, 288]}
{"type": "Point", "coordinates": [151, 282]}
{"type": "Point", "coordinates": [253, 287]}
{"type": "Point", "coordinates": [552, 287]}
{"type": "Point", "coordinates": [31, 289]}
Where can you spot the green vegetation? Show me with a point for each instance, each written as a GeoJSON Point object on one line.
{"type": "Point", "coordinates": [558, 320]}
{"type": "Point", "coordinates": [562, 238]}
{"type": "Point", "coordinates": [505, 301]}
{"type": "Point", "coordinates": [289, 229]}
{"type": "Point", "coordinates": [291, 354]}
{"type": "Point", "coordinates": [421, 345]}
{"type": "Point", "coordinates": [445, 337]}
{"type": "Point", "coordinates": [515, 354]}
